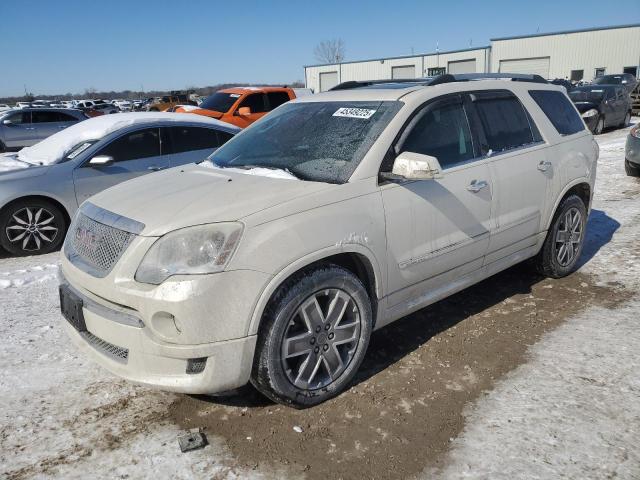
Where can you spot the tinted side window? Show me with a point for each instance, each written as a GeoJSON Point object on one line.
{"type": "Point", "coordinates": [186, 139]}
{"type": "Point", "coordinates": [255, 102]}
{"type": "Point", "coordinates": [442, 132]}
{"type": "Point", "coordinates": [224, 137]}
{"type": "Point", "coordinates": [134, 145]}
{"type": "Point", "coordinates": [559, 110]}
{"type": "Point", "coordinates": [64, 117]}
{"type": "Point", "coordinates": [19, 117]}
{"type": "Point", "coordinates": [277, 98]}
{"type": "Point", "coordinates": [504, 121]}
{"type": "Point", "coordinates": [43, 117]}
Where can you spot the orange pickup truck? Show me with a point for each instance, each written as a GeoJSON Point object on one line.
{"type": "Point", "coordinates": [241, 106]}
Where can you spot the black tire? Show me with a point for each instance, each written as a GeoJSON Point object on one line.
{"type": "Point", "coordinates": [44, 233]}
{"type": "Point", "coordinates": [549, 261]}
{"type": "Point", "coordinates": [631, 169]}
{"type": "Point", "coordinates": [627, 120]}
{"type": "Point", "coordinates": [2, 147]}
{"type": "Point", "coordinates": [273, 371]}
{"type": "Point", "coordinates": [599, 128]}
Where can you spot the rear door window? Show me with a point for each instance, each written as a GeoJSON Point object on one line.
{"type": "Point", "coordinates": [65, 117]}
{"type": "Point", "coordinates": [559, 110]}
{"type": "Point", "coordinates": [44, 117]}
{"type": "Point", "coordinates": [134, 145]}
{"type": "Point", "coordinates": [186, 139]}
{"type": "Point", "coordinates": [504, 120]}
{"type": "Point", "coordinates": [277, 98]}
{"type": "Point", "coordinates": [442, 131]}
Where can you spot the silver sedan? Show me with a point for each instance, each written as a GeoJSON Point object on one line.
{"type": "Point", "coordinates": [42, 186]}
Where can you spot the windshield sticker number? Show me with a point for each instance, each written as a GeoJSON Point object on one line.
{"type": "Point", "coordinates": [363, 113]}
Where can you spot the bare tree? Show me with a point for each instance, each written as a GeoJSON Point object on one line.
{"type": "Point", "coordinates": [330, 51]}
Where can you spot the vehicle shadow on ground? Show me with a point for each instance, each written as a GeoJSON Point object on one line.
{"type": "Point", "coordinates": [393, 342]}
{"type": "Point", "coordinates": [600, 230]}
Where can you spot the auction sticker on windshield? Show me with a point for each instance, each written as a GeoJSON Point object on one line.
{"type": "Point", "coordinates": [354, 113]}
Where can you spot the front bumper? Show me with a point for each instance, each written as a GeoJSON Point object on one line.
{"type": "Point", "coordinates": [148, 334]}
{"type": "Point", "coordinates": [632, 150]}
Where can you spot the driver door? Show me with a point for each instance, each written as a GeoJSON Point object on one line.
{"type": "Point", "coordinates": [134, 153]}
{"type": "Point", "coordinates": [437, 230]}
{"type": "Point", "coordinates": [257, 104]}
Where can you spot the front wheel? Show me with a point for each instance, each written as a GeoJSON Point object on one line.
{"type": "Point", "coordinates": [599, 126]}
{"type": "Point", "coordinates": [31, 227]}
{"type": "Point", "coordinates": [627, 120]}
{"type": "Point", "coordinates": [313, 337]}
{"type": "Point", "coordinates": [631, 169]}
{"type": "Point", "coordinates": [565, 238]}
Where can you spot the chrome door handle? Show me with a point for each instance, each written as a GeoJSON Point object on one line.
{"type": "Point", "coordinates": [30, 128]}
{"type": "Point", "coordinates": [476, 185]}
{"type": "Point", "coordinates": [153, 168]}
{"type": "Point", "coordinates": [544, 166]}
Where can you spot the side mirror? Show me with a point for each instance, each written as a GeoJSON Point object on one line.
{"type": "Point", "coordinates": [7, 122]}
{"type": "Point", "coordinates": [101, 161]}
{"type": "Point", "coordinates": [415, 166]}
{"type": "Point", "coordinates": [242, 111]}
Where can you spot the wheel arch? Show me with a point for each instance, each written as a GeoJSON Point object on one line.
{"type": "Point", "coordinates": [52, 200]}
{"type": "Point", "coordinates": [357, 259]}
{"type": "Point", "coordinates": [580, 187]}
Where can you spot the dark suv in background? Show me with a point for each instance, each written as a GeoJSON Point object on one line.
{"type": "Point", "coordinates": [627, 80]}
{"type": "Point", "coordinates": [602, 106]}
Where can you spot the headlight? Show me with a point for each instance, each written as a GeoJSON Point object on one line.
{"type": "Point", "coordinates": [590, 113]}
{"type": "Point", "coordinates": [190, 251]}
{"type": "Point", "coordinates": [635, 131]}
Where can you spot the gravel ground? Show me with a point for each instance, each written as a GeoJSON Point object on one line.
{"type": "Point", "coordinates": [516, 377]}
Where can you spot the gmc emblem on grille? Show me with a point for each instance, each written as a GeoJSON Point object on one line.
{"type": "Point", "coordinates": [87, 239]}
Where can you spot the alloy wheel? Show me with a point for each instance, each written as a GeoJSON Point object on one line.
{"type": "Point", "coordinates": [321, 339]}
{"type": "Point", "coordinates": [31, 228]}
{"type": "Point", "coordinates": [568, 237]}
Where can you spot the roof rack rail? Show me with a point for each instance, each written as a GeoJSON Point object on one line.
{"type": "Point", "coordinates": [446, 78]}
{"type": "Point", "coordinates": [367, 83]}
{"type": "Point", "coordinates": [465, 77]}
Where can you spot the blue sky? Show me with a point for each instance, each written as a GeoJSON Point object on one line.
{"type": "Point", "coordinates": [59, 46]}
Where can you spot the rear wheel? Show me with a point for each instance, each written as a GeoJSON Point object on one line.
{"type": "Point", "coordinates": [565, 238]}
{"type": "Point", "coordinates": [31, 227]}
{"type": "Point", "coordinates": [632, 169]}
{"type": "Point", "coordinates": [313, 338]}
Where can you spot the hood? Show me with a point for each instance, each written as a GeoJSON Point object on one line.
{"type": "Point", "coordinates": [194, 195]}
{"type": "Point", "coordinates": [12, 168]}
{"type": "Point", "coordinates": [584, 106]}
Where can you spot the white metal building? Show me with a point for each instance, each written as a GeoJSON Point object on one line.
{"type": "Point", "coordinates": [576, 54]}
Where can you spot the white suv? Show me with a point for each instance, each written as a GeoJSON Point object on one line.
{"type": "Point", "coordinates": [336, 214]}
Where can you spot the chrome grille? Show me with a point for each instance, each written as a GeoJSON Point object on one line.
{"type": "Point", "coordinates": [97, 239]}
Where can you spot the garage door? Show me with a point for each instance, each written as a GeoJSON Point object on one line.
{"type": "Point", "coordinates": [535, 66]}
{"type": "Point", "coordinates": [328, 80]}
{"type": "Point", "coordinates": [406, 71]}
{"type": "Point", "coordinates": [462, 66]}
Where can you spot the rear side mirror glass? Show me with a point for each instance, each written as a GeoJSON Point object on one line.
{"type": "Point", "coordinates": [101, 160]}
{"type": "Point", "coordinates": [7, 122]}
{"type": "Point", "coordinates": [415, 166]}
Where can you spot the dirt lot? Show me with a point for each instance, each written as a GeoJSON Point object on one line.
{"type": "Point", "coordinates": [408, 401]}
